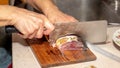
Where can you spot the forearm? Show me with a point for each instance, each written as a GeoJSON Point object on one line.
{"type": "Point", "coordinates": [51, 11]}
{"type": "Point", "coordinates": [5, 14]}
{"type": "Point", "coordinates": [47, 6]}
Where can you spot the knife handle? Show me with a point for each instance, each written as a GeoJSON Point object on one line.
{"type": "Point", "coordinates": [11, 29]}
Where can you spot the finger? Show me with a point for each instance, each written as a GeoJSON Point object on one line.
{"type": "Point", "coordinates": [32, 35]}
{"type": "Point", "coordinates": [23, 36]}
{"type": "Point", "coordinates": [25, 27]}
{"type": "Point", "coordinates": [49, 27]}
{"type": "Point", "coordinates": [31, 27]}
{"type": "Point", "coordinates": [39, 33]}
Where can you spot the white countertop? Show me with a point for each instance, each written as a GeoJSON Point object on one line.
{"type": "Point", "coordinates": [23, 56]}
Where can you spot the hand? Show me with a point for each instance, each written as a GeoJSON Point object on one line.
{"type": "Point", "coordinates": [29, 23]}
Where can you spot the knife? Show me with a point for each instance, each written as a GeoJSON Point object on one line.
{"type": "Point", "coordinates": [91, 31]}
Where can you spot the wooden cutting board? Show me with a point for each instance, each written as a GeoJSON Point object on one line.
{"type": "Point", "coordinates": [49, 56]}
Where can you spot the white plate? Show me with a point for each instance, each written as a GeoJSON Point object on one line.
{"type": "Point", "coordinates": [116, 37]}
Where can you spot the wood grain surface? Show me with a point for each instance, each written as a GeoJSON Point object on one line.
{"type": "Point", "coordinates": [49, 56]}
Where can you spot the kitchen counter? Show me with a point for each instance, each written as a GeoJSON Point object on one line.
{"type": "Point", "coordinates": [23, 57]}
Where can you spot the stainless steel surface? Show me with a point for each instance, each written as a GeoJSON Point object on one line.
{"type": "Point", "coordinates": [111, 11]}
{"type": "Point", "coordinates": [83, 10]}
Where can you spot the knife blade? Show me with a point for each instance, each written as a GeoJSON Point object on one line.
{"type": "Point", "coordinates": [91, 31]}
